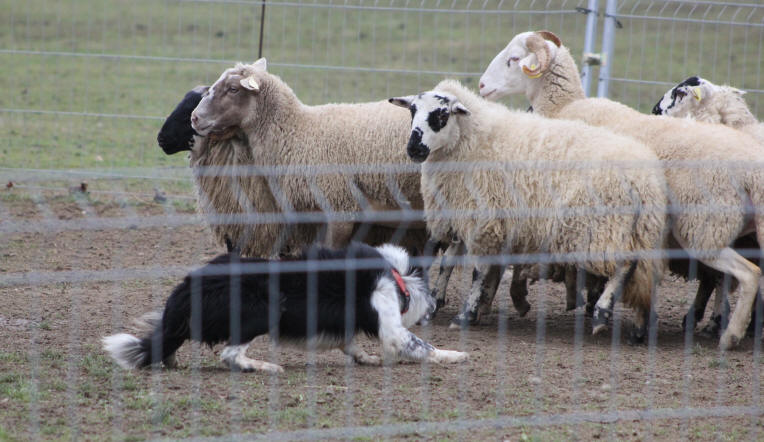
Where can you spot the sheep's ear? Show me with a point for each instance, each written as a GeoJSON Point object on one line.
{"type": "Point", "coordinates": [697, 92]}
{"type": "Point", "coordinates": [402, 101]}
{"type": "Point", "coordinates": [737, 91]}
{"type": "Point", "coordinates": [261, 64]}
{"type": "Point", "coordinates": [459, 109]}
{"type": "Point", "coordinates": [250, 83]}
{"type": "Point", "coordinates": [529, 66]}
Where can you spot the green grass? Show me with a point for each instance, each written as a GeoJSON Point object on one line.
{"type": "Point", "coordinates": [40, 73]}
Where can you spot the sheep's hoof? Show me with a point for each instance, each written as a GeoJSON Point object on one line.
{"type": "Point", "coordinates": [637, 335]}
{"type": "Point", "coordinates": [713, 328]}
{"type": "Point", "coordinates": [439, 303]}
{"type": "Point", "coordinates": [523, 309]}
{"type": "Point", "coordinates": [728, 340]}
{"type": "Point", "coordinates": [463, 320]}
{"type": "Point", "coordinates": [589, 312]}
{"type": "Point", "coordinates": [600, 319]}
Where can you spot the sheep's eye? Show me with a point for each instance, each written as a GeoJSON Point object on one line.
{"type": "Point", "coordinates": [511, 59]}
{"type": "Point", "coordinates": [233, 90]}
{"type": "Point", "coordinates": [680, 93]}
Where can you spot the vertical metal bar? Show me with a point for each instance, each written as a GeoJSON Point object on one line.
{"type": "Point", "coordinates": [608, 37]}
{"type": "Point", "coordinates": [590, 38]}
{"type": "Point", "coordinates": [262, 26]}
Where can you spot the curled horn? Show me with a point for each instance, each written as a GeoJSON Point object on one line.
{"type": "Point", "coordinates": [536, 44]}
{"type": "Point", "coordinates": [549, 35]}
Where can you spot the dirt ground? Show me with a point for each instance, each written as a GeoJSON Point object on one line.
{"type": "Point", "coordinates": [542, 376]}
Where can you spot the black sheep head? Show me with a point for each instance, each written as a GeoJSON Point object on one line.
{"type": "Point", "coordinates": [177, 134]}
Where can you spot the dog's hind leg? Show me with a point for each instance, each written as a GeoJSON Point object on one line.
{"type": "Point", "coordinates": [359, 355]}
{"type": "Point", "coordinates": [234, 357]}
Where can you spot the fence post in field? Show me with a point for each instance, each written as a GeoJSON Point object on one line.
{"type": "Point", "coordinates": [608, 38]}
{"type": "Point", "coordinates": [590, 39]}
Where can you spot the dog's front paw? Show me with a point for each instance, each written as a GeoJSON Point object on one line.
{"type": "Point", "coordinates": [247, 365]}
{"type": "Point", "coordinates": [367, 359]}
{"type": "Point", "coordinates": [447, 356]}
{"type": "Point", "coordinates": [270, 368]}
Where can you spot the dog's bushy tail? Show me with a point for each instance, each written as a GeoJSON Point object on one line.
{"type": "Point", "coordinates": [127, 350]}
{"type": "Point", "coordinates": [131, 352]}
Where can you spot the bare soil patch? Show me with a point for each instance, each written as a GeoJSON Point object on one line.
{"type": "Point", "coordinates": [55, 381]}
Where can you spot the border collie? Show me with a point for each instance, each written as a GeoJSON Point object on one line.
{"type": "Point", "coordinates": [320, 299]}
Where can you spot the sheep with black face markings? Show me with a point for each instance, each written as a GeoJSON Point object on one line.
{"type": "Point", "coordinates": [702, 100]}
{"type": "Point", "coordinates": [224, 159]}
{"type": "Point", "coordinates": [704, 163]}
{"type": "Point", "coordinates": [502, 181]}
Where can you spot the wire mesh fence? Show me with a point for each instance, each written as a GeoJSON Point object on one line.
{"type": "Point", "coordinates": [98, 225]}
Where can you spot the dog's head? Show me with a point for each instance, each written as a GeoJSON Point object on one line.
{"type": "Point", "coordinates": [422, 303]}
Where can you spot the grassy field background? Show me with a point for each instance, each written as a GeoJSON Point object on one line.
{"type": "Point", "coordinates": [87, 83]}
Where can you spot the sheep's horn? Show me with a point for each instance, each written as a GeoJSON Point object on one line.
{"type": "Point", "coordinates": [549, 35]}
{"type": "Point", "coordinates": [536, 44]}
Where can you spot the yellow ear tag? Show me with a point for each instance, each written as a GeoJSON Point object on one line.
{"type": "Point", "coordinates": [528, 72]}
{"type": "Point", "coordinates": [696, 93]}
{"type": "Point", "coordinates": [533, 67]}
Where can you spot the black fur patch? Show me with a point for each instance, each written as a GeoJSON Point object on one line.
{"type": "Point", "coordinates": [442, 99]}
{"type": "Point", "coordinates": [691, 81]}
{"type": "Point", "coordinates": [438, 119]}
{"type": "Point", "coordinates": [248, 294]}
{"type": "Point", "coordinates": [415, 149]}
{"type": "Point", "coordinates": [412, 108]}
{"type": "Point", "coordinates": [177, 134]}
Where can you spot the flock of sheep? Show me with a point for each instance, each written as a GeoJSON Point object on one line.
{"type": "Point", "coordinates": [613, 198]}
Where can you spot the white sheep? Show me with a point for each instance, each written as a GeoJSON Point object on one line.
{"type": "Point", "coordinates": [711, 170]}
{"type": "Point", "coordinates": [702, 100]}
{"type": "Point", "coordinates": [228, 171]}
{"type": "Point", "coordinates": [513, 182]}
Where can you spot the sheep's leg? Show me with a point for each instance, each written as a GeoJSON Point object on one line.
{"type": "Point", "coordinates": [338, 234]}
{"type": "Point", "coordinates": [485, 281]}
{"type": "Point", "coordinates": [603, 310]}
{"type": "Point", "coordinates": [730, 262]}
{"type": "Point", "coordinates": [705, 288]}
{"type": "Point", "coordinates": [642, 323]}
{"type": "Point", "coordinates": [234, 357]}
{"type": "Point", "coordinates": [695, 314]}
{"type": "Point", "coordinates": [456, 248]}
{"type": "Point", "coordinates": [571, 289]}
{"type": "Point", "coordinates": [518, 292]}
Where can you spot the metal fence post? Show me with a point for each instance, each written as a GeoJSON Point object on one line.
{"type": "Point", "coordinates": [608, 38]}
{"type": "Point", "coordinates": [589, 41]}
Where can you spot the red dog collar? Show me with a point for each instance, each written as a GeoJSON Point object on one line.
{"type": "Point", "coordinates": [404, 290]}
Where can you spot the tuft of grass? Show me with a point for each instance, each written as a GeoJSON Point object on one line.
{"type": "Point", "coordinates": [15, 386]}
{"type": "Point", "coordinates": [16, 357]}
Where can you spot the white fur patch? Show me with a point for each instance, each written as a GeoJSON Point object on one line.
{"type": "Point", "coordinates": [125, 349]}
{"type": "Point", "coordinates": [396, 256]}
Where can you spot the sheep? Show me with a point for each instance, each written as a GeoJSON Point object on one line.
{"type": "Point", "coordinates": [712, 104]}
{"type": "Point", "coordinates": [537, 64]}
{"type": "Point", "coordinates": [223, 191]}
{"type": "Point", "coordinates": [523, 209]}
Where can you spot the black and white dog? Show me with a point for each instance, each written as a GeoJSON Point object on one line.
{"type": "Point", "coordinates": [321, 299]}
